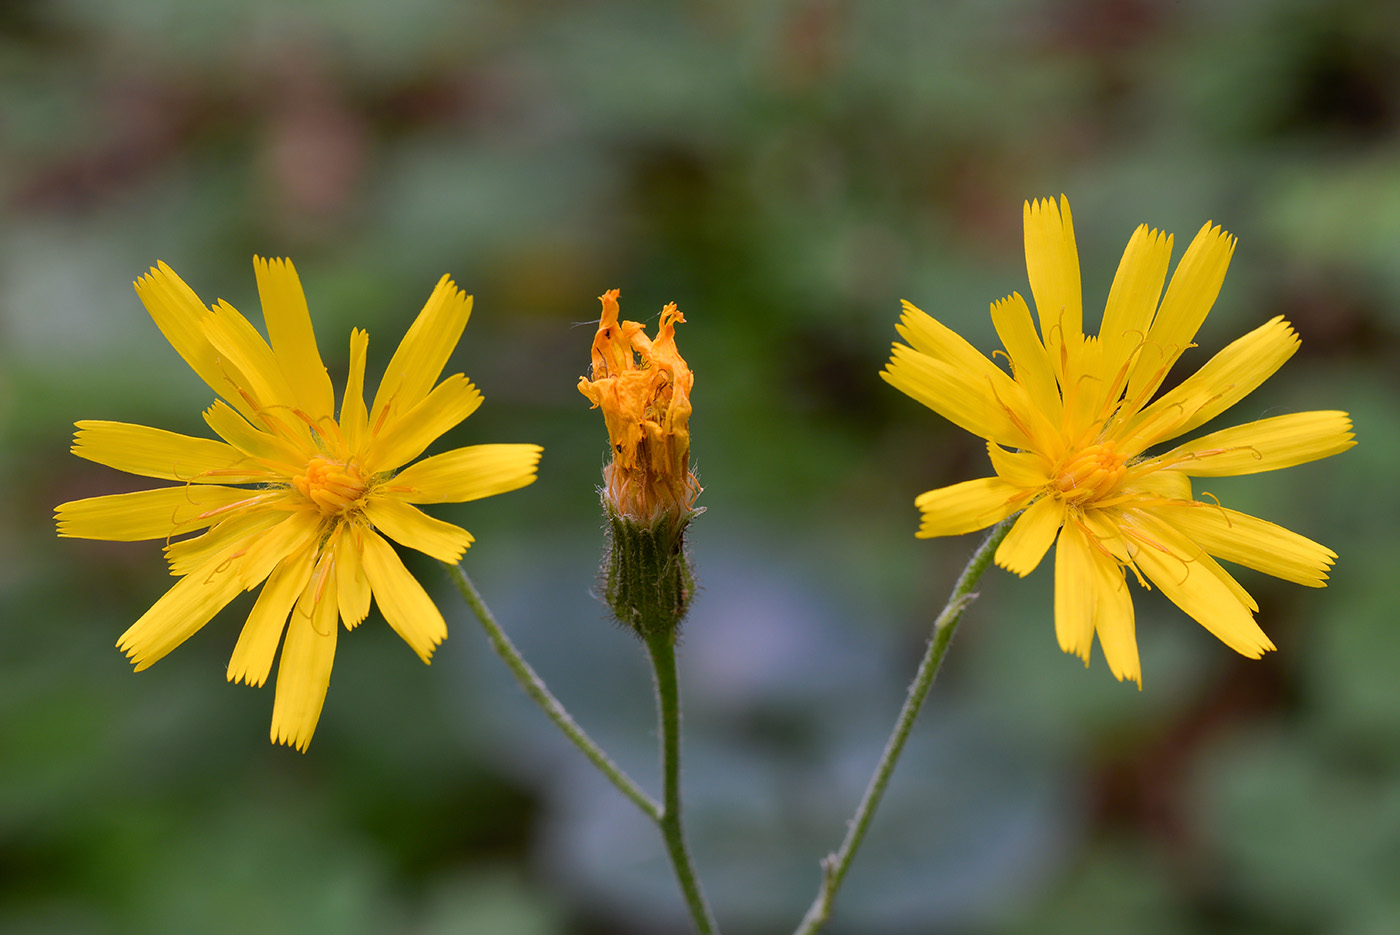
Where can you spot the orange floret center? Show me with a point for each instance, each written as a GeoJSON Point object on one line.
{"type": "Point", "coordinates": [334, 486]}
{"type": "Point", "coordinates": [643, 386]}
{"type": "Point", "coordinates": [1090, 474]}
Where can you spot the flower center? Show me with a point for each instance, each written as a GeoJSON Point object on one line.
{"type": "Point", "coordinates": [333, 486]}
{"type": "Point", "coordinates": [1090, 474]}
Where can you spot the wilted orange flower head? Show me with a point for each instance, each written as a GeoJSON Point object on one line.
{"type": "Point", "coordinates": [643, 387]}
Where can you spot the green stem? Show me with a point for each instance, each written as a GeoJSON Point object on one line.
{"type": "Point", "coordinates": [662, 646]}
{"type": "Point", "coordinates": [534, 687]}
{"type": "Point", "coordinates": [835, 865]}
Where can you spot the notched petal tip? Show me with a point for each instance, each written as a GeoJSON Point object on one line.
{"type": "Point", "coordinates": [1136, 679]}
{"type": "Point", "coordinates": [286, 738]}
{"type": "Point", "coordinates": [427, 654]}
{"type": "Point", "coordinates": [241, 676]}
{"type": "Point", "coordinates": [1257, 652]}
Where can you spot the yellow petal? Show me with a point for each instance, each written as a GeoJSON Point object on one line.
{"type": "Point", "coordinates": [180, 315]}
{"type": "Point", "coordinates": [1194, 287]}
{"type": "Point", "coordinates": [401, 599]}
{"type": "Point", "coordinates": [927, 335]}
{"type": "Point", "coordinates": [410, 526]}
{"type": "Point", "coordinates": [146, 514]}
{"type": "Point", "coordinates": [421, 355]}
{"type": "Point", "coordinates": [405, 437]}
{"type": "Point", "coordinates": [1075, 591]}
{"type": "Point", "coordinates": [1251, 542]}
{"type": "Point", "coordinates": [1114, 620]}
{"type": "Point", "coordinates": [140, 449]}
{"type": "Point", "coordinates": [1085, 394]}
{"type": "Point", "coordinates": [1024, 469]}
{"type": "Point", "coordinates": [273, 451]}
{"type": "Point", "coordinates": [966, 507]}
{"type": "Point", "coordinates": [1132, 300]}
{"type": "Point", "coordinates": [257, 643]}
{"type": "Point", "coordinates": [1266, 445]}
{"type": "Point", "coordinates": [974, 370]}
{"type": "Point", "coordinates": [293, 340]}
{"type": "Point", "coordinates": [466, 474]}
{"type": "Point", "coordinates": [304, 673]}
{"type": "Point", "coordinates": [289, 537]}
{"type": "Point", "coordinates": [180, 612]}
{"type": "Point", "coordinates": [1157, 423]}
{"type": "Point", "coordinates": [968, 400]}
{"type": "Point", "coordinates": [1179, 544]}
{"type": "Point", "coordinates": [1227, 378]}
{"type": "Point", "coordinates": [1170, 485]}
{"type": "Point", "coordinates": [1103, 528]}
{"type": "Point", "coordinates": [1197, 589]}
{"type": "Point", "coordinates": [352, 587]}
{"type": "Point", "coordinates": [1031, 536]}
{"type": "Point", "coordinates": [231, 535]}
{"type": "Point", "coordinates": [1029, 362]}
{"type": "Point", "coordinates": [353, 417]}
{"type": "Point", "coordinates": [1052, 265]}
{"type": "Point", "coordinates": [256, 370]}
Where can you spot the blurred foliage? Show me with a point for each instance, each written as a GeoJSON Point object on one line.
{"type": "Point", "coordinates": [785, 171]}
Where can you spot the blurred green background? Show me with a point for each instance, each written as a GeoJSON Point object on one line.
{"type": "Point", "coordinates": [785, 172]}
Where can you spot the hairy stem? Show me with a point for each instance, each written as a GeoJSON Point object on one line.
{"type": "Point", "coordinates": [835, 865]}
{"type": "Point", "coordinates": [534, 687]}
{"type": "Point", "coordinates": [662, 646]}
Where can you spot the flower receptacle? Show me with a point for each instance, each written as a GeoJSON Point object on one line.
{"type": "Point", "coordinates": [648, 581]}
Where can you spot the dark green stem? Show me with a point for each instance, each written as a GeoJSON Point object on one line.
{"type": "Point", "coordinates": [662, 646]}
{"type": "Point", "coordinates": [835, 865]}
{"type": "Point", "coordinates": [534, 687]}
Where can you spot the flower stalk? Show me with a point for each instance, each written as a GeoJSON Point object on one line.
{"type": "Point", "coordinates": [541, 695]}
{"type": "Point", "coordinates": [661, 645]}
{"type": "Point", "coordinates": [835, 865]}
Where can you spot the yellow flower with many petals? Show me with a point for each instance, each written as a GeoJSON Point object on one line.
{"type": "Point", "coordinates": [1068, 433]}
{"type": "Point", "coordinates": [293, 498]}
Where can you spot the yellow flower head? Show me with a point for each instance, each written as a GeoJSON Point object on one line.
{"type": "Point", "coordinates": [643, 387]}
{"type": "Point", "coordinates": [293, 498]}
{"type": "Point", "coordinates": [1068, 432]}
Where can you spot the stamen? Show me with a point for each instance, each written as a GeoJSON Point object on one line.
{"type": "Point", "coordinates": [1092, 536]}
{"type": "Point", "coordinates": [383, 416]}
{"type": "Point", "coordinates": [229, 508]}
{"type": "Point", "coordinates": [225, 564]}
{"type": "Point", "coordinates": [1023, 495]}
{"type": "Point", "coordinates": [327, 426]}
{"type": "Point", "coordinates": [1153, 543]}
{"type": "Point", "coordinates": [1219, 506]}
{"type": "Point", "coordinates": [321, 577]}
{"type": "Point", "coordinates": [1136, 497]}
{"type": "Point", "coordinates": [1089, 473]}
{"type": "Point", "coordinates": [334, 486]}
{"type": "Point", "coordinates": [271, 421]}
{"type": "Point", "coordinates": [1011, 413]}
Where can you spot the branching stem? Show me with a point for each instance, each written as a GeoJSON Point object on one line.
{"type": "Point", "coordinates": [534, 687]}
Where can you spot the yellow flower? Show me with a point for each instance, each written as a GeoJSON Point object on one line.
{"type": "Point", "coordinates": [292, 496]}
{"type": "Point", "coordinates": [646, 406]}
{"type": "Point", "coordinates": [1068, 432]}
